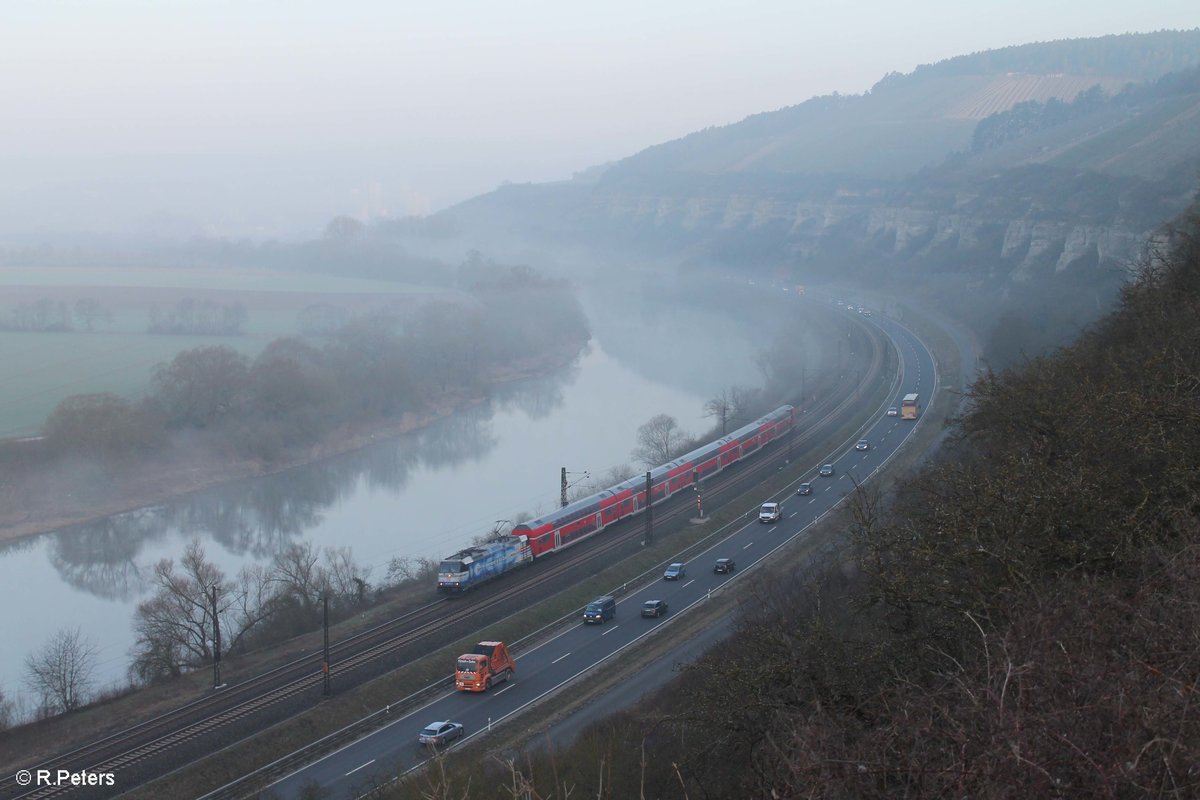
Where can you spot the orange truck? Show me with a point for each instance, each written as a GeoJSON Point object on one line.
{"type": "Point", "coordinates": [488, 663]}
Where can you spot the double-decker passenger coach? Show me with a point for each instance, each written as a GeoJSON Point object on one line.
{"type": "Point", "coordinates": [578, 520]}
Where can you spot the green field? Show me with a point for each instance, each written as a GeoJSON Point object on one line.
{"type": "Point", "coordinates": [226, 280]}
{"type": "Point", "coordinates": [40, 369]}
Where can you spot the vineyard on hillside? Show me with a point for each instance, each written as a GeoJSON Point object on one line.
{"type": "Point", "coordinates": [1005, 91]}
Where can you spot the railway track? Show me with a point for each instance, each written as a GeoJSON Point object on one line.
{"type": "Point", "coordinates": [132, 752]}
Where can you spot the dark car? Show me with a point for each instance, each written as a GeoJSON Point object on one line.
{"type": "Point", "coordinates": [675, 572]}
{"type": "Point", "coordinates": [654, 608]}
{"type": "Point", "coordinates": [826, 470]}
{"type": "Point", "coordinates": [862, 444]}
{"type": "Point", "coordinates": [437, 734]}
{"type": "Point", "coordinates": [600, 609]}
{"type": "Point", "coordinates": [724, 565]}
{"type": "Point", "coordinates": [804, 488]}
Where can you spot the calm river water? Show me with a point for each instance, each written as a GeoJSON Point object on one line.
{"type": "Point", "coordinates": [423, 495]}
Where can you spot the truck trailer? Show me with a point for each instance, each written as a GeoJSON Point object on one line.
{"type": "Point", "coordinates": [488, 663]}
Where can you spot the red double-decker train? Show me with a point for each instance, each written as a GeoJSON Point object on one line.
{"type": "Point", "coordinates": [579, 520]}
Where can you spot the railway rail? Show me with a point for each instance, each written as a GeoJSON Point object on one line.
{"type": "Point", "coordinates": [150, 748]}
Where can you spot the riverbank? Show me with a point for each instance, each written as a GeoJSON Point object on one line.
{"type": "Point", "coordinates": [63, 494]}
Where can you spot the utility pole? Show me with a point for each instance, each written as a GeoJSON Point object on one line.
{"type": "Point", "coordinates": [649, 512]}
{"type": "Point", "coordinates": [216, 641]}
{"type": "Point", "coordinates": [564, 485]}
{"type": "Point", "coordinates": [699, 495]}
{"type": "Point", "coordinates": [326, 688]}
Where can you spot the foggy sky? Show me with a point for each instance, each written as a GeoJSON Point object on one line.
{"type": "Point", "coordinates": [266, 119]}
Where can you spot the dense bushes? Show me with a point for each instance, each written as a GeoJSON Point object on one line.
{"type": "Point", "coordinates": [1021, 622]}
{"type": "Point", "coordinates": [370, 368]}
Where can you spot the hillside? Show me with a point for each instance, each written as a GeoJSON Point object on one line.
{"type": "Point", "coordinates": [907, 122]}
{"type": "Point", "coordinates": [1021, 622]}
{"type": "Point", "coordinates": [1034, 211]}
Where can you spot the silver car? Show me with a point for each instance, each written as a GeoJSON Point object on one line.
{"type": "Point", "coordinates": [437, 734]}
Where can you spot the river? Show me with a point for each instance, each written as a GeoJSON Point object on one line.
{"type": "Point", "coordinates": [421, 495]}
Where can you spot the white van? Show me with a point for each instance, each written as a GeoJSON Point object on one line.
{"type": "Point", "coordinates": [770, 512]}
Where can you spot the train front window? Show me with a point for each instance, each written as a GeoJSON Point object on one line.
{"type": "Point", "coordinates": [451, 567]}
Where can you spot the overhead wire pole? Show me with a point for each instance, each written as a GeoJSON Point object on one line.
{"type": "Point", "coordinates": [326, 688]}
{"type": "Point", "coordinates": [562, 498]}
{"type": "Point", "coordinates": [216, 641]}
{"type": "Point", "coordinates": [649, 512]}
{"type": "Point", "coordinates": [791, 435]}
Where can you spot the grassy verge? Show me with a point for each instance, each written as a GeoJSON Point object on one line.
{"type": "Point", "coordinates": [819, 544]}
{"type": "Point", "coordinates": [419, 680]}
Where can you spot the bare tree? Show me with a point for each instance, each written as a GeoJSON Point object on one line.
{"type": "Point", "coordinates": [101, 425]}
{"type": "Point", "coordinates": [305, 575]}
{"type": "Point", "coordinates": [202, 386]}
{"type": "Point", "coordinates": [89, 310]}
{"type": "Point", "coordinates": [251, 602]}
{"type": "Point", "coordinates": [403, 569]}
{"type": "Point", "coordinates": [346, 580]}
{"type": "Point", "coordinates": [732, 405]}
{"type": "Point", "coordinates": [659, 440]}
{"type": "Point", "coordinates": [174, 627]}
{"type": "Point", "coordinates": [61, 672]}
{"type": "Point", "coordinates": [744, 402]}
{"type": "Point", "coordinates": [721, 407]}
{"type": "Point", "coordinates": [8, 711]}
{"type": "Point", "coordinates": [298, 572]}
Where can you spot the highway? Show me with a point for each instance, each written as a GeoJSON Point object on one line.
{"type": "Point", "coordinates": [152, 745]}
{"type": "Point", "coordinates": [554, 665]}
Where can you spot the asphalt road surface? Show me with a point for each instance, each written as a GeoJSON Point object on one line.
{"type": "Point", "coordinates": [557, 663]}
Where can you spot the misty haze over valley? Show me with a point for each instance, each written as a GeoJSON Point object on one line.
{"type": "Point", "coordinates": [840, 364]}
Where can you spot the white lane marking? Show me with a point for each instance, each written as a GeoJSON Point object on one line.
{"type": "Point", "coordinates": [751, 544]}
{"type": "Point", "coordinates": [810, 502]}
{"type": "Point", "coordinates": [794, 513]}
{"type": "Point", "coordinates": [502, 691]}
{"type": "Point", "coordinates": [356, 769]}
{"type": "Point", "coordinates": [689, 583]}
{"type": "Point", "coordinates": [606, 633]}
{"type": "Point", "coordinates": [564, 655]}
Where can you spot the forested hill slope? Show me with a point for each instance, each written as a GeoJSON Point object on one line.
{"type": "Point", "coordinates": [1023, 621]}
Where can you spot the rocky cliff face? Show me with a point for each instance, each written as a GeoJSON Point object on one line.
{"type": "Point", "coordinates": [965, 235]}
